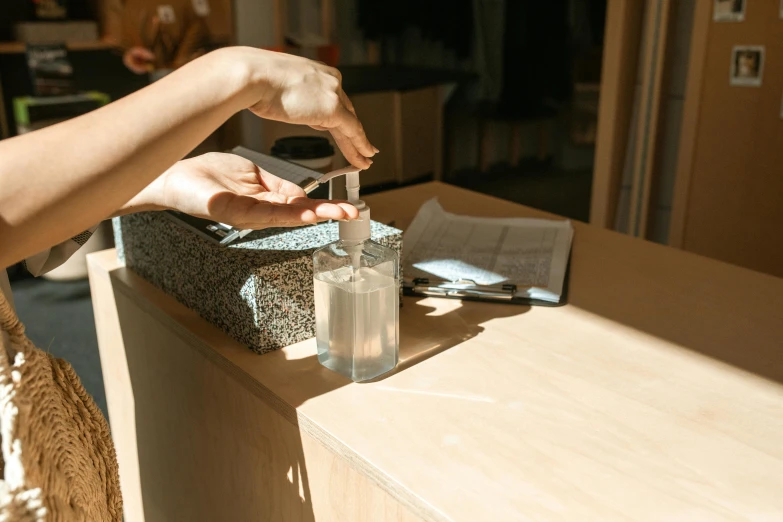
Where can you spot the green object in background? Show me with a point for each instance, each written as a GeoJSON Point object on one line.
{"type": "Point", "coordinates": [34, 112]}
{"type": "Point", "coordinates": [30, 110]}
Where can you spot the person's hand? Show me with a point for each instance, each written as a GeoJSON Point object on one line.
{"type": "Point", "coordinates": [230, 189]}
{"type": "Point", "coordinates": [296, 90]}
{"type": "Point", "coordinates": [139, 60]}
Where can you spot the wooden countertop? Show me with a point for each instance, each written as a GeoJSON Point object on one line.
{"type": "Point", "coordinates": [655, 394]}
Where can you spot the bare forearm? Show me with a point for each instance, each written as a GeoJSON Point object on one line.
{"type": "Point", "coordinates": [57, 182]}
{"type": "Point", "coordinates": [151, 198]}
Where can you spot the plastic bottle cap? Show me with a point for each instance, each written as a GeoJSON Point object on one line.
{"type": "Point", "coordinates": [358, 229]}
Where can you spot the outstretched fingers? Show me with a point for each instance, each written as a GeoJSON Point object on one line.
{"type": "Point", "coordinates": [269, 210]}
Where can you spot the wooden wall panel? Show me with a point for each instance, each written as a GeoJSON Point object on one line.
{"type": "Point", "coordinates": [729, 196]}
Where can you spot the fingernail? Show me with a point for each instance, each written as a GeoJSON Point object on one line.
{"type": "Point", "coordinates": [376, 150]}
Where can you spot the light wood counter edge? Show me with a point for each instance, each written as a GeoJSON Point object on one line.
{"type": "Point", "coordinates": [228, 354]}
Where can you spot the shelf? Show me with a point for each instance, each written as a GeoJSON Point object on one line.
{"type": "Point", "coordinates": [19, 47]}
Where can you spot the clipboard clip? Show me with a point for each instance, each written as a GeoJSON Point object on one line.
{"type": "Point", "coordinates": [462, 288]}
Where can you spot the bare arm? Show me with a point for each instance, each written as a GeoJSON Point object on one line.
{"type": "Point", "coordinates": [58, 181]}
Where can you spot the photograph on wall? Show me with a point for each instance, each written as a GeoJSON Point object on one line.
{"type": "Point", "coordinates": [729, 10]}
{"type": "Point", "coordinates": [747, 65]}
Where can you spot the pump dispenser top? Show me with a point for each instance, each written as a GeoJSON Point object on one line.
{"type": "Point", "coordinates": [358, 229]}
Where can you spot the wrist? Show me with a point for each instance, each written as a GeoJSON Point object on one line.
{"type": "Point", "coordinates": [244, 74]}
{"type": "Point", "coordinates": [151, 198]}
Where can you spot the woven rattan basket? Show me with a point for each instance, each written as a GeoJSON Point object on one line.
{"type": "Point", "coordinates": [58, 460]}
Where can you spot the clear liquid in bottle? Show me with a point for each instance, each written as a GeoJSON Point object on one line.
{"type": "Point", "coordinates": [357, 312]}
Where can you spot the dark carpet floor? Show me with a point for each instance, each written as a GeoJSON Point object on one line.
{"type": "Point", "coordinates": [58, 318]}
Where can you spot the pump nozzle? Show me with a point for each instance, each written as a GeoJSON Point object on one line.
{"type": "Point", "coordinates": [356, 231]}
{"type": "Point", "coordinates": [336, 173]}
{"type": "Point", "coordinates": [352, 186]}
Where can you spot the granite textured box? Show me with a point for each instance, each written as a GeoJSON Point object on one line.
{"type": "Point", "coordinates": [259, 290]}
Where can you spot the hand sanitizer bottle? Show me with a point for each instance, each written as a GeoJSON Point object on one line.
{"type": "Point", "coordinates": [357, 299]}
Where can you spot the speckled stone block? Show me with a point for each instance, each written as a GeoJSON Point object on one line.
{"type": "Point", "coordinates": [259, 290]}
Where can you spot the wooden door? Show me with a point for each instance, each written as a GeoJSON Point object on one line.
{"type": "Point", "coordinates": [728, 201]}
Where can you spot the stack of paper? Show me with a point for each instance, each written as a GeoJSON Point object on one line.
{"type": "Point", "coordinates": [461, 256]}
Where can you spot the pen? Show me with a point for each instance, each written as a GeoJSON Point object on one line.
{"type": "Point", "coordinates": [461, 288]}
{"type": "Point", "coordinates": [436, 291]}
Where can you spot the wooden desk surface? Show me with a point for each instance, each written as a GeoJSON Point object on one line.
{"type": "Point", "coordinates": [655, 394]}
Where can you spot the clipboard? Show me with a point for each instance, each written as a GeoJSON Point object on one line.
{"type": "Point", "coordinates": [515, 260]}
{"type": "Point", "coordinates": [467, 290]}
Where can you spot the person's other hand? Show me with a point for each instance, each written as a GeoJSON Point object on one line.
{"type": "Point", "coordinates": [296, 90]}
{"type": "Point", "coordinates": [138, 59]}
{"type": "Point", "coordinates": [230, 189]}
